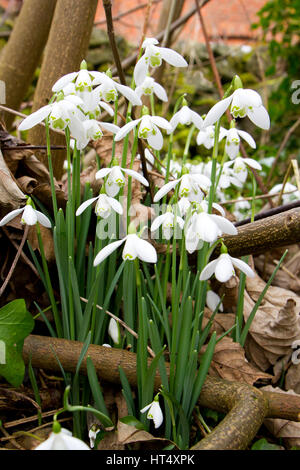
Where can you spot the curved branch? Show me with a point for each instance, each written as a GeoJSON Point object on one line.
{"type": "Point", "coordinates": [246, 406]}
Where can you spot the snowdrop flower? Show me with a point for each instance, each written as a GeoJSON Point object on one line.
{"type": "Point", "coordinates": [149, 86]}
{"type": "Point", "coordinates": [93, 433]}
{"type": "Point", "coordinates": [105, 204]}
{"type": "Point", "coordinates": [232, 143]}
{"type": "Point", "coordinates": [186, 116]}
{"type": "Point", "coordinates": [83, 80]}
{"type": "Point", "coordinates": [184, 204]}
{"type": "Point", "coordinates": [205, 227]}
{"type": "Point", "coordinates": [223, 269]}
{"type": "Point", "coordinates": [240, 167]}
{"type": "Point", "coordinates": [148, 129]}
{"type": "Point", "coordinates": [135, 247]}
{"type": "Point", "coordinates": [153, 57]}
{"type": "Point", "coordinates": [167, 222]}
{"type": "Point", "coordinates": [206, 136]}
{"type": "Point", "coordinates": [241, 208]}
{"type": "Point", "coordinates": [62, 440]}
{"type": "Point", "coordinates": [114, 331]}
{"type": "Point", "coordinates": [61, 113]}
{"type": "Point", "coordinates": [243, 102]}
{"type": "Point", "coordinates": [154, 412]}
{"type": "Point", "coordinates": [287, 188]}
{"type": "Point", "coordinates": [116, 179]}
{"type": "Point", "coordinates": [190, 185]}
{"type": "Point", "coordinates": [213, 300]}
{"type": "Point", "coordinates": [30, 216]}
{"type": "Point", "coordinates": [92, 131]}
{"type": "Point", "coordinates": [109, 89]}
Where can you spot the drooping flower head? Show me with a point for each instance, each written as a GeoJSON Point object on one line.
{"type": "Point", "coordinates": [153, 57]}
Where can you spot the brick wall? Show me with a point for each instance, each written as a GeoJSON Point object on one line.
{"type": "Point", "coordinates": [226, 20]}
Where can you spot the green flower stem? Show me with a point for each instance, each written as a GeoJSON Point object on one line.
{"type": "Point", "coordinates": [129, 184]}
{"type": "Point", "coordinates": [113, 149]}
{"type": "Point", "coordinates": [56, 315]}
{"type": "Point", "coordinates": [187, 145]}
{"type": "Point", "coordinates": [52, 184]}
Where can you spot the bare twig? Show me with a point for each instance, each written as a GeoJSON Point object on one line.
{"type": "Point", "coordinates": [10, 273]}
{"type": "Point", "coordinates": [128, 12]}
{"type": "Point", "coordinates": [282, 145]}
{"type": "Point", "coordinates": [121, 323]}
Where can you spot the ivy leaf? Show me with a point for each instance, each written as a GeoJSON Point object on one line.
{"type": "Point", "coordinates": [15, 324]}
{"type": "Point", "coordinates": [263, 444]}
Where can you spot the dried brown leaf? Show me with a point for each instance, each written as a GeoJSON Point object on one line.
{"type": "Point", "coordinates": [229, 363]}
{"type": "Point", "coordinates": [276, 323]}
{"type": "Point", "coordinates": [131, 435]}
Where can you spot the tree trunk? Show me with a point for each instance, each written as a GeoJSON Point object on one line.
{"type": "Point", "coordinates": [22, 52]}
{"type": "Point", "coordinates": [66, 47]}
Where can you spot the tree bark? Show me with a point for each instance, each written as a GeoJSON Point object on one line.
{"type": "Point", "coordinates": [66, 47]}
{"type": "Point", "coordinates": [22, 53]}
{"type": "Point", "coordinates": [272, 232]}
{"type": "Point", "coordinates": [246, 406]}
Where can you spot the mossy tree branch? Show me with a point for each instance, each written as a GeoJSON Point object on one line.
{"type": "Point", "coordinates": [246, 406]}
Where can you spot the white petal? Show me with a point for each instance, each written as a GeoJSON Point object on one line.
{"type": "Point", "coordinates": [219, 208]}
{"type": "Point", "coordinates": [242, 266]}
{"type": "Point", "coordinates": [35, 118]}
{"type": "Point", "coordinates": [260, 117]}
{"type": "Point", "coordinates": [160, 92]}
{"type": "Point", "coordinates": [85, 204]}
{"type": "Point", "coordinates": [107, 107]}
{"type": "Point", "coordinates": [113, 331]}
{"type": "Point", "coordinates": [248, 138]}
{"type": "Point", "coordinates": [161, 122]}
{"type": "Point", "coordinates": [197, 120]}
{"type": "Point", "coordinates": [157, 222]}
{"type": "Point", "coordinates": [164, 190]}
{"type": "Point", "coordinates": [112, 189]}
{"type": "Point", "coordinates": [149, 42]}
{"type": "Point", "coordinates": [172, 57]}
{"type": "Point", "coordinates": [216, 111]}
{"type": "Point", "coordinates": [140, 71]}
{"type": "Point", "coordinates": [43, 219]}
{"type": "Point", "coordinates": [224, 269]}
{"type": "Point", "coordinates": [208, 271]}
{"type": "Point", "coordinates": [253, 163]}
{"type": "Point", "coordinates": [129, 94]}
{"type": "Point", "coordinates": [146, 251]}
{"type": "Point", "coordinates": [156, 414]}
{"type": "Point", "coordinates": [136, 175]}
{"type": "Point", "coordinates": [10, 216]}
{"type": "Point", "coordinates": [102, 173]}
{"type": "Point", "coordinates": [107, 250]}
{"type": "Point", "coordinates": [156, 141]}
{"type": "Point", "coordinates": [212, 301]}
{"type": "Point", "coordinates": [129, 251]}
{"type": "Point", "coordinates": [63, 81]}
{"type": "Point", "coordinates": [146, 408]}
{"type": "Point", "coordinates": [29, 216]}
{"type": "Point", "coordinates": [115, 205]}
{"type": "Point", "coordinates": [108, 126]}
{"type": "Point", "coordinates": [225, 225]}
{"type": "Point", "coordinates": [126, 129]}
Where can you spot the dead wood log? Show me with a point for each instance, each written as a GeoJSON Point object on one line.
{"type": "Point", "coordinates": [246, 406]}
{"type": "Point", "coordinates": [272, 232]}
